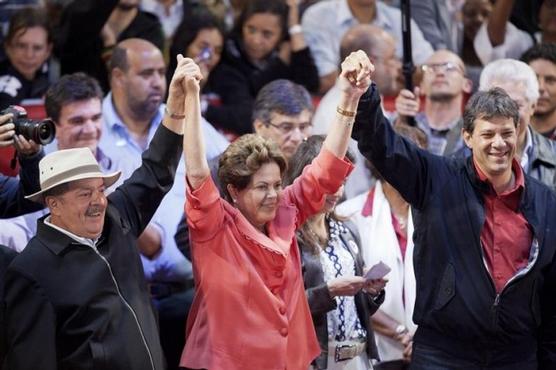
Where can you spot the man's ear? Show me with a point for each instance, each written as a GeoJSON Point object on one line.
{"type": "Point", "coordinates": [467, 85]}
{"type": "Point", "coordinates": [258, 126]}
{"type": "Point", "coordinates": [116, 76]}
{"type": "Point", "coordinates": [53, 205]}
{"type": "Point", "coordinates": [466, 135]}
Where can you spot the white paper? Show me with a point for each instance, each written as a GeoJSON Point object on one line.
{"type": "Point", "coordinates": [378, 271]}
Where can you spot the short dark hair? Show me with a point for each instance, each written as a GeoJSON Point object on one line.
{"type": "Point", "coordinates": [56, 191]}
{"type": "Point", "coordinates": [275, 7]}
{"type": "Point", "coordinates": [282, 97]}
{"type": "Point", "coordinates": [70, 88]}
{"type": "Point", "coordinates": [118, 59]}
{"type": "Point", "coordinates": [487, 105]}
{"type": "Point", "coordinates": [26, 18]}
{"type": "Point", "coordinates": [545, 51]}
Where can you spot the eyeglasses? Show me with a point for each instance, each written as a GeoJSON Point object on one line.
{"type": "Point", "coordinates": [287, 128]}
{"type": "Point", "coordinates": [447, 67]}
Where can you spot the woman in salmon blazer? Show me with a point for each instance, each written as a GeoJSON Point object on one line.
{"type": "Point", "coordinates": [250, 311]}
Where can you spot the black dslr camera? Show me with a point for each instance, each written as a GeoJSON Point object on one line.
{"type": "Point", "coordinates": [41, 132]}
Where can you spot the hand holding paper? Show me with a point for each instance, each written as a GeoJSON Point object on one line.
{"type": "Point", "coordinates": [378, 271]}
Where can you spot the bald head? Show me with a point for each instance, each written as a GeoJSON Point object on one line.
{"type": "Point", "coordinates": [121, 53]}
{"type": "Point", "coordinates": [371, 39]}
{"type": "Point", "coordinates": [137, 78]}
{"type": "Point", "coordinates": [380, 46]}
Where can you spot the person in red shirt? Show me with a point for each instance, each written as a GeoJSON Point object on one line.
{"type": "Point", "coordinates": [250, 311]}
{"type": "Point", "coordinates": [483, 241]}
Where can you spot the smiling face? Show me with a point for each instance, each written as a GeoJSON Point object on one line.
{"type": "Point", "coordinates": [81, 209]}
{"type": "Point", "coordinates": [493, 142]}
{"type": "Point", "coordinates": [28, 50]}
{"type": "Point", "coordinates": [258, 202]}
{"type": "Point", "coordinates": [261, 34]}
{"type": "Point", "coordinates": [80, 125]}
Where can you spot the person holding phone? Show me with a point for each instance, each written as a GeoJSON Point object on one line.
{"type": "Point", "coordinates": [341, 300]}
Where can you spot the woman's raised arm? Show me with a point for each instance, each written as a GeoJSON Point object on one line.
{"type": "Point", "coordinates": [186, 82]}
{"type": "Point", "coordinates": [354, 80]}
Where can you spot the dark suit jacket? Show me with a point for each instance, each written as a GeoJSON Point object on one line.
{"type": "Point", "coordinates": [70, 306]}
{"type": "Point", "coordinates": [320, 301]}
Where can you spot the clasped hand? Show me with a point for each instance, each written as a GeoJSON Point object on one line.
{"type": "Point", "coordinates": [355, 77]}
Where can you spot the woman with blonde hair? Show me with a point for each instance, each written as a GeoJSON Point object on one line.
{"type": "Point", "coordinates": [250, 310]}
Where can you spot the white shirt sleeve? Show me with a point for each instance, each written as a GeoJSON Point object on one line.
{"type": "Point", "coordinates": [516, 43]}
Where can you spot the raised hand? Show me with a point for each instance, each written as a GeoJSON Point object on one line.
{"type": "Point", "coordinates": [407, 103]}
{"type": "Point", "coordinates": [185, 80]}
{"type": "Point", "coordinates": [7, 131]}
{"type": "Point", "coordinates": [355, 77]}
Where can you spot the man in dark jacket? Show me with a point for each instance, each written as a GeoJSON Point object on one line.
{"type": "Point", "coordinates": [76, 296]}
{"type": "Point", "coordinates": [484, 240]}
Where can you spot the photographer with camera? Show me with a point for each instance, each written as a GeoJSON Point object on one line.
{"type": "Point", "coordinates": [13, 190]}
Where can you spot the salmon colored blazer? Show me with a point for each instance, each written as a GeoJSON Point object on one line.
{"type": "Point", "coordinates": [250, 311]}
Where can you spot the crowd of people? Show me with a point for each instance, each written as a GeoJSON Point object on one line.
{"type": "Point", "coordinates": [249, 185]}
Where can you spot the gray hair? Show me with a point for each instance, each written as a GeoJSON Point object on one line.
{"type": "Point", "coordinates": [282, 97]}
{"type": "Point", "coordinates": [510, 70]}
{"type": "Point", "coordinates": [487, 105]}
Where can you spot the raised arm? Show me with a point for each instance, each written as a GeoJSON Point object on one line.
{"type": "Point", "coordinates": [329, 169]}
{"type": "Point", "coordinates": [354, 80]}
{"type": "Point", "coordinates": [196, 165]}
{"type": "Point", "coordinates": [408, 168]}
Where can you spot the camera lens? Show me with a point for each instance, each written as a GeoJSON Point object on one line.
{"type": "Point", "coordinates": [42, 132]}
{"type": "Point", "coordinates": [46, 131]}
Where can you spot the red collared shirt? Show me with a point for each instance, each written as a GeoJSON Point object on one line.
{"type": "Point", "coordinates": [506, 236]}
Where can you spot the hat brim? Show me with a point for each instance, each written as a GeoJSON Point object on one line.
{"type": "Point", "coordinates": [109, 180]}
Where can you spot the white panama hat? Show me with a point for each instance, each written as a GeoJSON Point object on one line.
{"type": "Point", "coordinates": [68, 165]}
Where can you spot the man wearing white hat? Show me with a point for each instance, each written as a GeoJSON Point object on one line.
{"type": "Point", "coordinates": [76, 296]}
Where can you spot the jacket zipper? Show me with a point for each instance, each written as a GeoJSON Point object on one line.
{"type": "Point", "coordinates": [520, 274]}
{"type": "Point", "coordinates": [128, 306]}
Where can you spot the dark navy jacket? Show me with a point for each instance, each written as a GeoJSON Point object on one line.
{"type": "Point", "coordinates": [457, 308]}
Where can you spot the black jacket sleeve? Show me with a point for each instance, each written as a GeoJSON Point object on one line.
{"type": "Point", "coordinates": [140, 195]}
{"type": "Point", "coordinates": [408, 168]}
{"type": "Point", "coordinates": [13, 191]}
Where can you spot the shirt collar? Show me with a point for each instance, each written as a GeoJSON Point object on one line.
{"type": "Point", "coordinates": [85, 241]}
{"type": "Point", "coordinates": [345, 16]}
{"type": "Point", "coordinates": [114, 123]}
{"type": "Point", "coordinates": [519, 184]}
